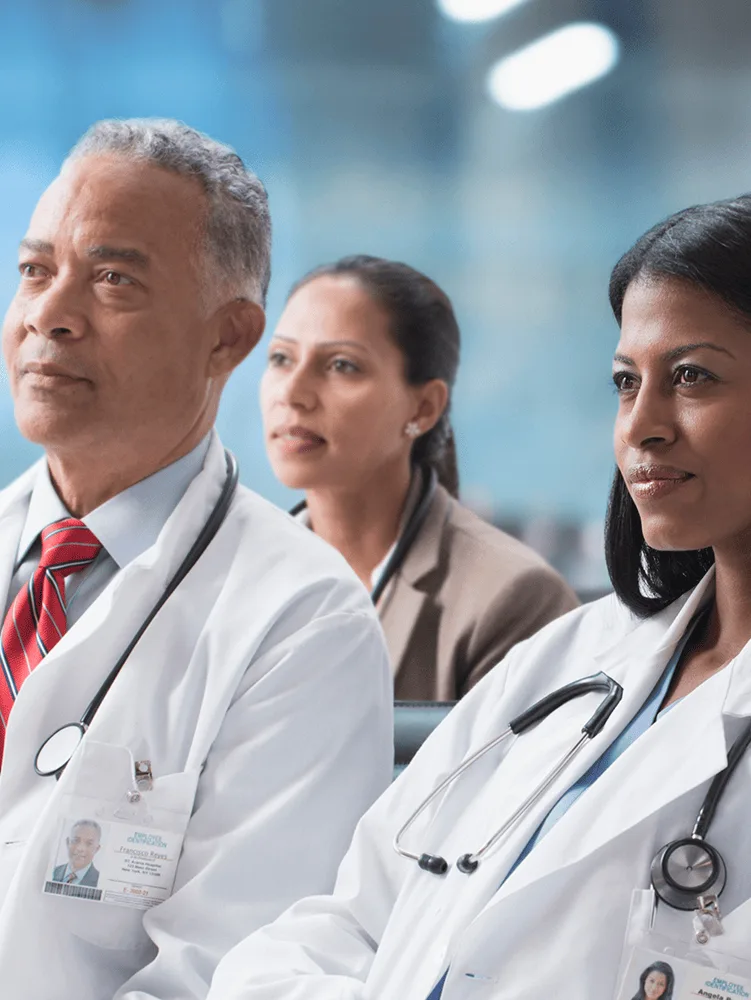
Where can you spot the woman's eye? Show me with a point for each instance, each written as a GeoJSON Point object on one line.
{"type": "Point", "coordinates": [688, 375]}
{"type": "Point", "coordinates": [277, 359]}
{"type": "Point", "coordinates": [116, 279]}
{"type": "Point", "coordinates": [624, 381]}
{"type": "Point", "coordinates": [344, 366]}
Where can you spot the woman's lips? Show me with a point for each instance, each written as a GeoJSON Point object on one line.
{"type": "Point", "coordinates": [297, 441]}
{"type": "Point", "coordinates": [650, 482]}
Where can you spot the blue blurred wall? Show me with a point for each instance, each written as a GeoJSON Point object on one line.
{"type": "Point", "coordinates": [370, 125]}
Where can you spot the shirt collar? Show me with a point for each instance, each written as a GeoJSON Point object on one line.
{"type": "Point", "coordinates": [127, 524]}
{"type": "Point", "coordinates": [79, 874]}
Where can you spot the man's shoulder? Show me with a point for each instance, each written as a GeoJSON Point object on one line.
{"type": "Point", "coordinates": [278, 538]}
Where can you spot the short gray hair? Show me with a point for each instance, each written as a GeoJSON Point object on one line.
{"type": "Point", "coordinates": [88, 822]}
{"type": "Point", "coordinates": [238, 227]}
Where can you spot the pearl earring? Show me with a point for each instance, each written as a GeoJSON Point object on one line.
{"type": "Point", "coordinates": [412, 429]}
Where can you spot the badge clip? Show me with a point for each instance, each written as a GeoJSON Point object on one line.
{"type": "Point", "coordinates": [144, 775]}
{"type": "Point", "coordinates": [707, 919]}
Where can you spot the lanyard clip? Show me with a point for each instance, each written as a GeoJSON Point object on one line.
{"type": "Point", "coordinates": [707, 919]}
{"type": "Point", "coordinates": [144, 775]}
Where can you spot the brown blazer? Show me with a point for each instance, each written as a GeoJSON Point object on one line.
{"type": "Point", "coordinates": [464, 595]}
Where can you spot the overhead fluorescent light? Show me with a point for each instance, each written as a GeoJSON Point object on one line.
{"type": "Point", "coordinates": [476, 10]}
{"type": "Point", "coordinates": [553, 66]}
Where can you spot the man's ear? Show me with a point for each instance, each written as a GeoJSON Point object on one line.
{"type": "Point", "coordinates": [238, 326]}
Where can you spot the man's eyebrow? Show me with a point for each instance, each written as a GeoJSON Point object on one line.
{"type": "Point", "coordinates": [678, 352]}
{"type": "Point", "coordinates": [37, 246]}
{"type": "Point", "coordinates": [128, 254]}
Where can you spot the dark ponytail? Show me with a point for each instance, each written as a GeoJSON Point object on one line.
{"type": "Point", "coordinates": [425, 329]}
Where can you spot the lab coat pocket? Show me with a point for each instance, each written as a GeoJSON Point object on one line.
{"type": "Point", "coordinates": [671, 932]}
{"type": "Point", "coordinates": [138, 834]}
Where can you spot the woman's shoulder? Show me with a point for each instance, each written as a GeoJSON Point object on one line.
{"type": "Point", "coordinates": [491, 551]}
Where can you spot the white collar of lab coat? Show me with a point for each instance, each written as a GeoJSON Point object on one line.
{"type": "Point", "coordinates": [126, 524]}
{"type": "Point", "coordinates": [106, 627]}
{"type": "Point", "coordinates": [635, 659]}
{"type": "Point", "coordinates": [648, 775]}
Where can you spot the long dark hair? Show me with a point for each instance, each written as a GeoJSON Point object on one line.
{"type": "Point", "coordinates": [709, 247]}
{"type": "Point", "coordinates": [425, 329]}
{"type": "Point", "coordinates": [667, 972]}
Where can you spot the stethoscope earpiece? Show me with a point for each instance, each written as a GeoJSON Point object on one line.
{"type": "Point", "coordinates": [468, 863]}
{"type": "Point", "coordinates": [686, 869]}
{"type": "Point", "coordinates": [433, 863]}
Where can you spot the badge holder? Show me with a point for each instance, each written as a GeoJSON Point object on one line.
{"type": "Point", "coordinates": [116, 846]}
{"type": "Point", "coordinates": [680, 965]}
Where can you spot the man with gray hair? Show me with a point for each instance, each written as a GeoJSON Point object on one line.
{"type": "Point", "coordinates": [227, 668]}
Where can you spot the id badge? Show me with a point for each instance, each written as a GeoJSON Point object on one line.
{"type": "Point", "coordinates": [121, 849]}
{"type": "Point", "coordinates": [655, 974]}
{"type": "Point", "coordinates": [668, 954]}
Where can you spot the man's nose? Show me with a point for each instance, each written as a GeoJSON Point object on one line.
{"type": "Point", "coordinates": [649, 420]}
{"type": "Point", "coordinates": [55, 311]}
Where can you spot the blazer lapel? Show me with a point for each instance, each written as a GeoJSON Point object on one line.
{"type": "Point", "coordinates": [403, 606]}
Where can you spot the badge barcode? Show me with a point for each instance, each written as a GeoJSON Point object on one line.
{"type": "Point", "coordinates": [81, 891]}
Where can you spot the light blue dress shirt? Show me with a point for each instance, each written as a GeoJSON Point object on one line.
{"type": "Point", "coordinates": [126, 525]}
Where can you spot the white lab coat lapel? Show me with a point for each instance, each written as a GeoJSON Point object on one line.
{"type": "Point", "coordinates": [636, 662]}
{"type": "Point", "coordinates": [14, 505]}
{"type": "Point", "coordinates": [60, 688]}
{"type": "Point", "coordinates": [674, 765]}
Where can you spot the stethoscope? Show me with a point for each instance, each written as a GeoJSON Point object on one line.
{"type": "Point", "coordinates": [54, 754]}
{"type": "Point", "coordinates": [411, 530]}
{"type": "Point", "coordinates": [684, 873]}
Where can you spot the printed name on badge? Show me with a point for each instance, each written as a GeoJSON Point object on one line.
{"type": "Point", "coordinates": [651, 975]}
{"type": "Point", "coordinates": [123, 864]}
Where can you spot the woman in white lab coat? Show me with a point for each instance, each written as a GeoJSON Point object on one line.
{"type": "Point", "coordinates": [564, 896]}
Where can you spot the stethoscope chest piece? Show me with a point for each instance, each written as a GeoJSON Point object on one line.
{"type": "Point", "coordinates": [58, 748]}
{"type": "Point", "coordinates": [687, 869]}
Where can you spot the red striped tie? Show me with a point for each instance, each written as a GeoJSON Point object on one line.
{"type": "Point", "coordinates": [37, 618]}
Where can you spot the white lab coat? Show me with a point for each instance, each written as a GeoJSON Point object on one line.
{"type": "Point", "coordinates": [261, 694]}
{"type": "Point", "coordinates": [557, 926]}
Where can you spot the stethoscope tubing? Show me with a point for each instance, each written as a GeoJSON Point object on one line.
{"type": "Point", "coordinates": [410, 532]}
{"type": "Point", "coordinates": [210, 528]}
{"type": "Point", "coordinates": [467, 863]}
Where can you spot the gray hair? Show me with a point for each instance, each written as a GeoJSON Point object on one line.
{"type": "Point", "coordinates": [238, 227]}
{"type": "Point", "coordinates": [87, 822]}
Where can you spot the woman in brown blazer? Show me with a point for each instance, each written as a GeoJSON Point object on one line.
{"type": "Point", "coordinates": [355, 403]}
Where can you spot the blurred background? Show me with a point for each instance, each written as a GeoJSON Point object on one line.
{"type": "Point", "coordinates": [512, 149]}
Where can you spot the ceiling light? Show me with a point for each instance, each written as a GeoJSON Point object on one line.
{"type": "Point", "coordinates": [476, 10]}
{"type": "Point", "coordinates": [553, 66]}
